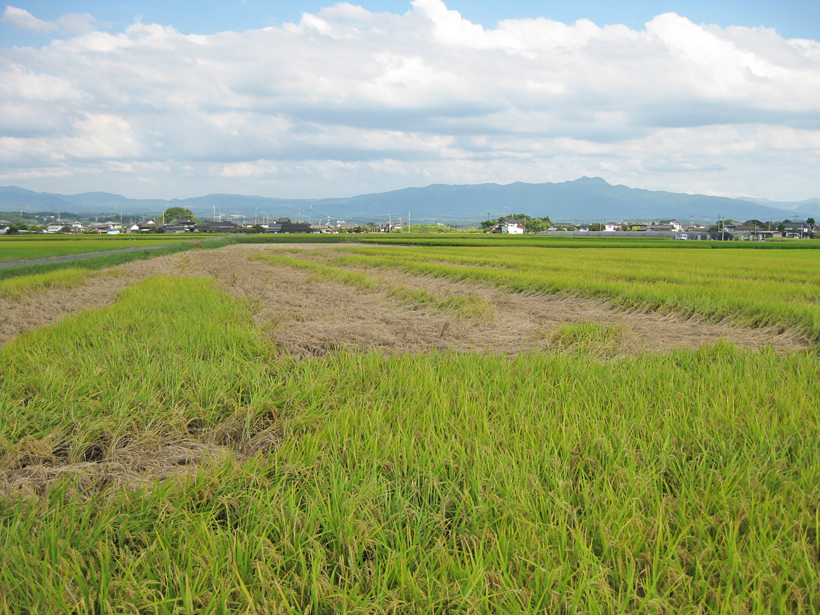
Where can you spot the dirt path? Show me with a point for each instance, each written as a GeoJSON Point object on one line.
{"type": "Point", "coordinates": [309, 318]}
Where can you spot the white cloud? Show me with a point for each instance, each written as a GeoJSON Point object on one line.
{"type": "Point", "coordinates": [350, 101]}
{"type": "Point", "coordinates": [23, 20]}
{"type": "Point", "coordinates": [77, 23]}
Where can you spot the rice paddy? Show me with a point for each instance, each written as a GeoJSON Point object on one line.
{"type": "Point", "coordinates": [165, 453]}
{"type": "Point", "coordinates": [30, 248]}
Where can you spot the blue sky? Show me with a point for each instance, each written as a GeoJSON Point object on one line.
{"type": "Point", "coordinates": [316, 99]}
{"type": "Point", "coordinates": [791, 18]}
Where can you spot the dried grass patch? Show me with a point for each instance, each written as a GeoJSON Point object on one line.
{"type": "Point", "coordinates": [136, 462]}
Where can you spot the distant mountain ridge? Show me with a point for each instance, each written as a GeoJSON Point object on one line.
{"type": "Point", "coordinates": [583, 199]}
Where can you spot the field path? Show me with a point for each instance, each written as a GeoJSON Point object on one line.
{"type": "Point", "coordinates": [306, 317]}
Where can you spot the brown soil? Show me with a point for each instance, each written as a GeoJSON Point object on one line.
{"type": "Point", "coordinates": [310, 317]}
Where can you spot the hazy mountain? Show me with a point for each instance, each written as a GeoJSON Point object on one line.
{"type": "Point", "coordinates": [582, 199]}
{"type": "Point", "coordinates": [800, 209]}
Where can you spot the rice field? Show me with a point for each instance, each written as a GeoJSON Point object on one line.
{"type": "Point", "coordinates": [162, 454]}
{"type": "Point", "coordinates": [753, 287]}
{"type": "Point", "coordinates": [13, 249]}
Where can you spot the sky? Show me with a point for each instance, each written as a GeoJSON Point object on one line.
{"type": "Point", "coordinates": [314, 99]}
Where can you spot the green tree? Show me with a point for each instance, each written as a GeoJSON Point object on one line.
{"type": "Point", "coordinates": [810, 221]}
{"type": "Point", "coordinates": [179, 213]}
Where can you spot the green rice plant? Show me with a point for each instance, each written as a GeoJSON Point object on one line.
{"type": "Point", "coordinates": [685, 482]}
{"type": "Point", "coordinates": [137, 366]}
{"type": "Point", "coordinates": [467, 306]}
{"type": "Point", "coordinates": [591, 337]}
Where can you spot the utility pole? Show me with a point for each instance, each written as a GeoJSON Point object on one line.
{"type": "Point", "coordinates": [408, 221]}
{"type": "Point", "coordinates": [310, 215]}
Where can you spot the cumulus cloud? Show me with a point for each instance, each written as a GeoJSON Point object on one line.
{"type": "Point", "coordinates": [348, 101]}
{"type": "Point", "coordinates": [23, 20]}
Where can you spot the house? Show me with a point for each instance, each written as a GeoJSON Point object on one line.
{"type": "Point", "coordinates": [103, 227]}
{"type": "Point", "coordinates": [341, 225]}
{"type": "Point", "coordinates": [284, 225]}
{"type": "Point", "coordinates": [694, 234]}
{"type": "Point", "coordinates": [181, 226]}
{"type": "Point", "coordinates": [634, 226]}
{"type": "Point", "coordinates": [509, 226]}
{"type": "Point", "coordinates": [673, 224]}
{"type": "Point", "coordinates": [4, 228]}
{"type": "Point", "coordinates": [211, 226]}
{"type": "Point", "coordinates": [797, 230]}
{"type": "Point", "coordinates": [143, 226]}
{"type": "Point", "coordinates": [54, 227]}
{"type": "Point", "coordinates": [741, 231]}
{"type": "Point", "coordinates": [389, 227]}
{"type": "Point", "coordinates": [612, 226]}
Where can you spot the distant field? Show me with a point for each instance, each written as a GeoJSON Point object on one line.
{"type": "Point", "coordinates": [555, 241]}
{"type": "Point", "coordinates": [21, 249]}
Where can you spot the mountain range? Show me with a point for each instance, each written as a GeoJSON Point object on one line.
{"type": "Point", "coordinates": [585, 199]}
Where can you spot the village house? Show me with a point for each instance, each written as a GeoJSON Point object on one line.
{"type": "Point", "coordinates": [673, 224]}
{"type": "Point", "coordinates": [143, 226]}
{"type": "Point", "coordinates": [181, 226]}
{"type": "Point", "coordinates": [211, 226]}
{"type": "Point", "coordinates": [797, 230]}
{"type": "Point", "coordinates": [509, 226]}
{"type": "Point", "coordinates": [284, 225]}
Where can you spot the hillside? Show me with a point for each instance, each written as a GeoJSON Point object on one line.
{"type": "Point", "coordinates": [586, 198]}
